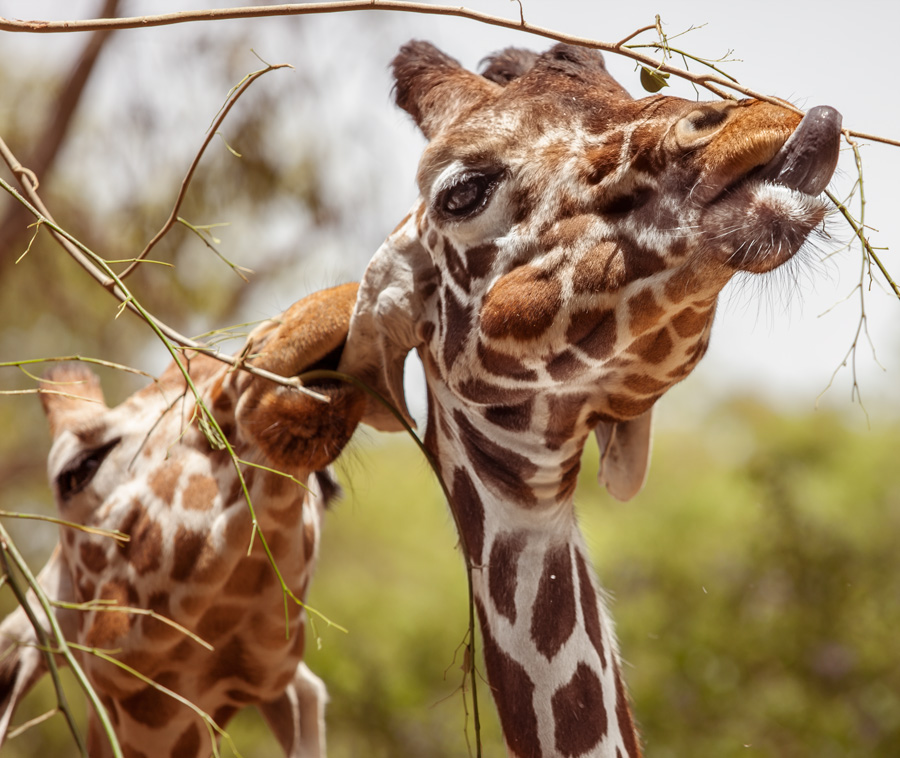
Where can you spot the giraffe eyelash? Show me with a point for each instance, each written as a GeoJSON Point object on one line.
{"type": "Point", "coordinates": [468, 194]}
{"type": "Point", "coordinates": [80, 471]}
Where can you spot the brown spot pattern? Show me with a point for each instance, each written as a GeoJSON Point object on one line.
{"type": "Point", "coordinates": [240, 696]}
{"type": "Point", "coordinates": [683, 283]}
{"type": "Point", "coordinates": [250, 578]}
{"type": "Point", "coordinates": [566, 232]}
{"type": "Point", "coordinates": [154, 628]}
{"type": "Point", "coordinates": [457, 320]}
{"type": "Point", "coordinates": [654, 347]}
{"type": "Point", "coordinates": [455, 266]}
{"type": "Point", "coordinates": [643, 312]}
{"type": "Point", "coordinates": [93, 556]}
{"type": "Point", "coordinates": [563, 412]}
{"type": "Point", "coordinates": [108, 626]}
{"type": "Point", "coordinates": [200, 493]}
{"type": "Point", "coordinates": [479, 260]}
{"type": "Point", "coordinates": [431, 435]}
{"type": "Point", "coordinates": [644, 384]}
{"type": "Point", "coordinates": [151, 707]}
{"type": "Point", "coordinates": [188, 743]}
{"type": "Point", "coordinates": [568, 479]}
{"type": "Point", "coordinates": [479, 391]}
{"type": "Point", "coordinates": [580, 717]}
{"type": "Point", "coordinates": [590, 608]}
{"type": "Point", "coordinates": [594, 331]}
{"type": "Point", "coordinates": [565, 366]}
{"type": "Point", "coordinates": [640, 262]}
{"type": "Point", "coordinates": [516, 707]}
{"type": "Point", "coordinates": [232, 661]}
{"type": "Point", "coordinates": [144, 548]}
{"type": "Point", "coordinates": [514, 417]}
{"type": "Point", "coordinates": [553, 615]}
{"type": "Point", "coordinates": [601, 270]}
{"type": "Point", "coordinates": [164, 481]}
{"type": "Point", "coordinates": [522, 304]}
{"type": "Point", "coordinates": [503, 364]}
{"type": "Point", "coordinates": [689, 322]}
{"type": "Point", "coordinates": [186, 550]}
{"type": "Point", "coordinates": [604, 159]}
{"type": "Point", "coordinates": [499, 467]}
{"type": "Point", "coordinates": [224, 714]}
{"type": "Point", "coordinates": [469, 512]}
{"type": "Point", "coordinates": [624, 406]}
{"type": "Point", "coordinates": [274, 485]}
{"type": "Point", "coordinates": [503, 569]}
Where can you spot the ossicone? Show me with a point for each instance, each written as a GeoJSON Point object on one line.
{"type": "Point", "coordinates": [434, 88]}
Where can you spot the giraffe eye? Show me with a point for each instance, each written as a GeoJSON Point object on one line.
{"type": "Point", "coordinates": [468, 196]}
{"type": "Point", "coordinates": [79, 472]}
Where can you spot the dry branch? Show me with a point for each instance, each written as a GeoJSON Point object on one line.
{"type": "Point", "coordinates": [48, 144]}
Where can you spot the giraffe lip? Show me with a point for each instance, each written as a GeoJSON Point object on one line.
{"type": "Point", "coordinates": [808, 158]}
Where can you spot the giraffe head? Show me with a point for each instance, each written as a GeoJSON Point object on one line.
{"type": "Point", "coordinates": [565, 255]}
{"type": "Point", "coordinates": [153, 469]}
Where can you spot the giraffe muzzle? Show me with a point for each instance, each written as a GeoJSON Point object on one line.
{"type": "Point", "coordinates": [807, 160]}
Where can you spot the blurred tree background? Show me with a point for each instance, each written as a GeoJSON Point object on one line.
{"type": "Point", "coordinates": [754, 581]}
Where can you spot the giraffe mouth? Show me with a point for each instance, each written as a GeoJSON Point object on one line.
{"type": "Point", "coordinates": [807, 160]}
{"type": "Point", "coordinates": [765, 217]}
{"type": "Point", "coordinates": [328, 362]}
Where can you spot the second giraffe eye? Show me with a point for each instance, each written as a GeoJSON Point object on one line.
{"type": "Point", "coordinates": [81, 470]}
{"type": "Point", "coordinates": [469, 195]}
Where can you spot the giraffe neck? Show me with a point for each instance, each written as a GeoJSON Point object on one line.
{"type": "Point", "coordinates": [549, 648]}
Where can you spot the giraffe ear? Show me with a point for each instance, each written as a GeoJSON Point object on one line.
{"type": "Point", "coordinates": [386, 324]}
{"type": "Point", "coordinates": [70, 393]}
{"type": "Point", "coordinates": [624, 455]}
{"type": "Point", "coordinates": [434, 88]}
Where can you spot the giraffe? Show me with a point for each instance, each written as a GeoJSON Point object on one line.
{"type": "Point", "coordinates": [558, 273]}
{"type": "Point", "coordinates": [145, 468]}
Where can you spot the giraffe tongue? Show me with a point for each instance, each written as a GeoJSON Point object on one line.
{"type": "Point", "coordinates": [808, 159]}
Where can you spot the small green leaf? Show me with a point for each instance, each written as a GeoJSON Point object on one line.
{"type": "Point", "coordinates": [653, 81]}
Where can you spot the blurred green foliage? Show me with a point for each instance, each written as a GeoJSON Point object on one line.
{"type": "Point", "coordinates": [755, 585]}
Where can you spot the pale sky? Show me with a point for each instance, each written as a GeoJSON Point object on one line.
{"type": "Point", "coordinates": [776, 339]}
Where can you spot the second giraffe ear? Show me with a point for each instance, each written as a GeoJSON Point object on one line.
{"type": "Point", "coordinates": [624, 455]}
{"type": "Point", "coordinates": [386, 325]}
{"type": "Point", "coordinates": [434, 88]}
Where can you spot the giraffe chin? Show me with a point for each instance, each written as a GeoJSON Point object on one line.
{"type": "Point", "coordinates": [759, 225]}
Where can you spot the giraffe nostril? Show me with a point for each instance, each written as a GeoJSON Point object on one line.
{"type": "Point", "coordinates": [708, 118]}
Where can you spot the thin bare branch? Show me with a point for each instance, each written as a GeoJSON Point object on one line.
{"type": "Point", "coordinates": [48, 144]}
{"type": "Point", "coordinates": [718, 85]}
{"type": "Point", "coordinates": [99, 270]}
{"type": "Point", "coordinates": [185, 183]}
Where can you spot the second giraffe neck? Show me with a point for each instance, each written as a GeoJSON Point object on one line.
{"type": "Point", "coordinates": [549, 647]}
